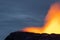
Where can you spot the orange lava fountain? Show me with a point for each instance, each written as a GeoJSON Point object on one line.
{"type": "Point", "coordinates": [52, 24]}
{"type": "Point", "coordinates": [53, 19]}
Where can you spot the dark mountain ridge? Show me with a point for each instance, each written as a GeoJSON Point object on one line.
{"type": "Point", "coordinates": [19, 35]}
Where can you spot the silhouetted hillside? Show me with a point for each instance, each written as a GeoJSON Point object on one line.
{"type": "Point", "coordinates": [32, 36]}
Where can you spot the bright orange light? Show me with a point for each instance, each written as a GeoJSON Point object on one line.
{"type": "Point", "coordinates": [53, 19]}
{"type": "Point", "coordinates": [33, 29]}
{"type": "Point", "coordinates": [52, 24]}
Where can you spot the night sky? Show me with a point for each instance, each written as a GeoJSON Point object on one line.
{"type": "Point", "coordinates": [17, 14]}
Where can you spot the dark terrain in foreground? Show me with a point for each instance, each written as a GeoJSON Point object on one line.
{"type": "Point", "coordinates": [19, 35]}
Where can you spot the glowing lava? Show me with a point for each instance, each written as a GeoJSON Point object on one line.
{"type": "Point", "coordinates": [53, 19]}
{"type": "Point", "coordinates": [33, 29]}
{"type": "Point", "coordinates": [52, 24]}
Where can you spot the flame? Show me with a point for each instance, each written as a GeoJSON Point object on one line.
{"type": "Point", "coordinates": [33, 29]}
{"type": "Point", "coordinates": [52, 20]}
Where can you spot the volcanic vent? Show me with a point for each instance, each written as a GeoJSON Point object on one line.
{"type": "Point", "coordinates": [51, 27]}
{"type": "Point", "coordinates": [52, 20]}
